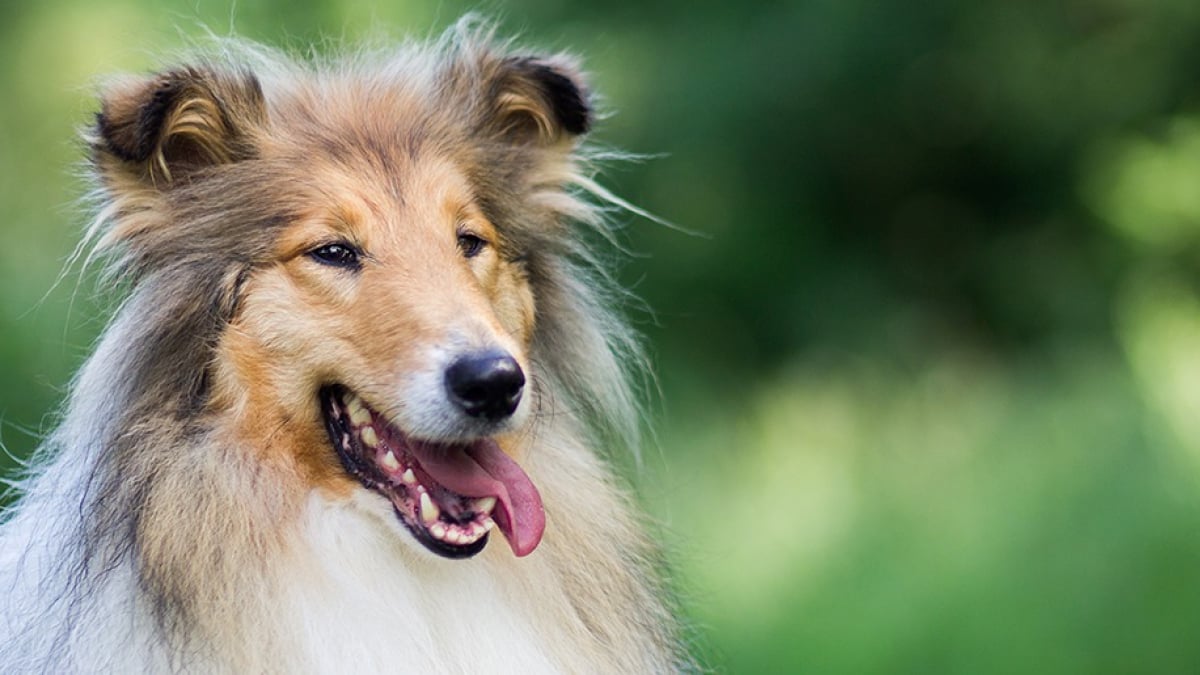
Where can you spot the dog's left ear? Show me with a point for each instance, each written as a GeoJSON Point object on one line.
{"type": "Point", "coordinates": [539, 100]}
{"type": "Point", "coordinates": [156, 131]}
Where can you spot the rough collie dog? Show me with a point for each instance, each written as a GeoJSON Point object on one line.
{"type": "Point", "coordinates": [349, 415]}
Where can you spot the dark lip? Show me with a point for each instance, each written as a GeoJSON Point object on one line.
{"type": "Point", "coordinates": [354, 462]}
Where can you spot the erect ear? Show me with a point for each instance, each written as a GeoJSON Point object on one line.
{"type": "Point", "coordinates": [540, 100]}
{"type": "Point", "coordinates": [165, 128]}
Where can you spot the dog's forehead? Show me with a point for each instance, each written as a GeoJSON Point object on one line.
{"type": "Point", "coordinates": [385, 119]}
{"type": "Point", "coordinates": [383, 205]}
{"type": "Point", "coordinates": [389, 143]}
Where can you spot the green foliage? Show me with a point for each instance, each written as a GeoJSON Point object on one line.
{"type": "Point", "coordinates": [931, 373]}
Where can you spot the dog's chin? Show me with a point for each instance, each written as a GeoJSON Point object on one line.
{"type": "Point", "coordinates": [448, 495]}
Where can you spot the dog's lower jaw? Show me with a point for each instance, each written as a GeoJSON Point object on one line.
{"type": "Point", "coordinates": [430, 539]}
{"type": "Point", "coordinates": [449, 497]}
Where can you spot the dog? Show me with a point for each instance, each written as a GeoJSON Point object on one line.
{"type": "Point", "coordinates": [354, 411]}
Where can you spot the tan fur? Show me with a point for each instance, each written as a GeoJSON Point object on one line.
{"type": "Point", "coordinates": [220, 531]}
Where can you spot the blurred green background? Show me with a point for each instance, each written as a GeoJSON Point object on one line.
{"type": "Point", "coordinates": [931, 375]}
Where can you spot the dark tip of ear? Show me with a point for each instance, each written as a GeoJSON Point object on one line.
{"type": "Point", "coordinates": [567, 97]}
{"type": "Point", "coordinates": [569, 103]}
{"type": "Point", "coordinates": [133, 135]}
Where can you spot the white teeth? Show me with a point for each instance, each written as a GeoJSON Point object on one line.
{"type": "Point", "coordinates": [488, 524]}
{"type": "Point", "coordinates": [408, 478]}
{"type": "Point", "coordinates": [390, 462]}
{"type": "Point", "coordinates": [484, 505]}
{"type": "Point", "coordinates": [460, 535]}
{"type": "Point", "coordinates": [368, 436]}
{"type": "Point", "coordinates": [358, 412]}
{"type": "Point", "coordinates": [429, 510]}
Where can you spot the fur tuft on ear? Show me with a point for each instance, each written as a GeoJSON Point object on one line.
{"type": "Point", "coordinates": [540, 100]}
{"type": "Point", "coordinates": [166, 127]}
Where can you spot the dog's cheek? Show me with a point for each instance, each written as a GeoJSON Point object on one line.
{"type": "Point", "coordinates": [513, 301]}
{"type": "Point", "coordinates": [289, 324]}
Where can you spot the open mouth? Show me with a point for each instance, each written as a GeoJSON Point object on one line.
{"type": "Point", "coordinates": [448, 495]}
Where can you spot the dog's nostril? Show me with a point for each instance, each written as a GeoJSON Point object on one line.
{"type": "Point", "coordinates": [486, 385]}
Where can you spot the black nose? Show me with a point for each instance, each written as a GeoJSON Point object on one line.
{"type": "Point", "coordinates": [486, 385]}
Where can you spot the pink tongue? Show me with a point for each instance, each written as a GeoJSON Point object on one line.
{"type": "Point", "coordinates": [483, 470]}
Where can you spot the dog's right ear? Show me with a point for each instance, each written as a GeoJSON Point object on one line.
{"type": "Point", "coordinates": [537, 100]}
{"type": "Point", "coordinates": [158, 131]}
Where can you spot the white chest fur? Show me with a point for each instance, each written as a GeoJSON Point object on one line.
{"type": "Point", "coordinates": [361, 596]}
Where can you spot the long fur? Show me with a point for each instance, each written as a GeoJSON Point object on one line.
{"type": "Point", "coordinates": [157, 533]}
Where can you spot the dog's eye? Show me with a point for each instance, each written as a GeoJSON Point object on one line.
{"type": "Point", "coordinates": [336, 255]}
{"type": "Point", "coordinates": [470, 245]}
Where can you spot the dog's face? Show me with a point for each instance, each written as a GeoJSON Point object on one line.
{"type": "Point", "coordinates": [380, 310]}
{"type": "Point", "coordinates": [399, 307]}
{"type": "Point", "coordinates": [417, 302]}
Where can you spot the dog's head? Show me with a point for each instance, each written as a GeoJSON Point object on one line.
{"type": "Point", "coordinates": [367, 246]}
